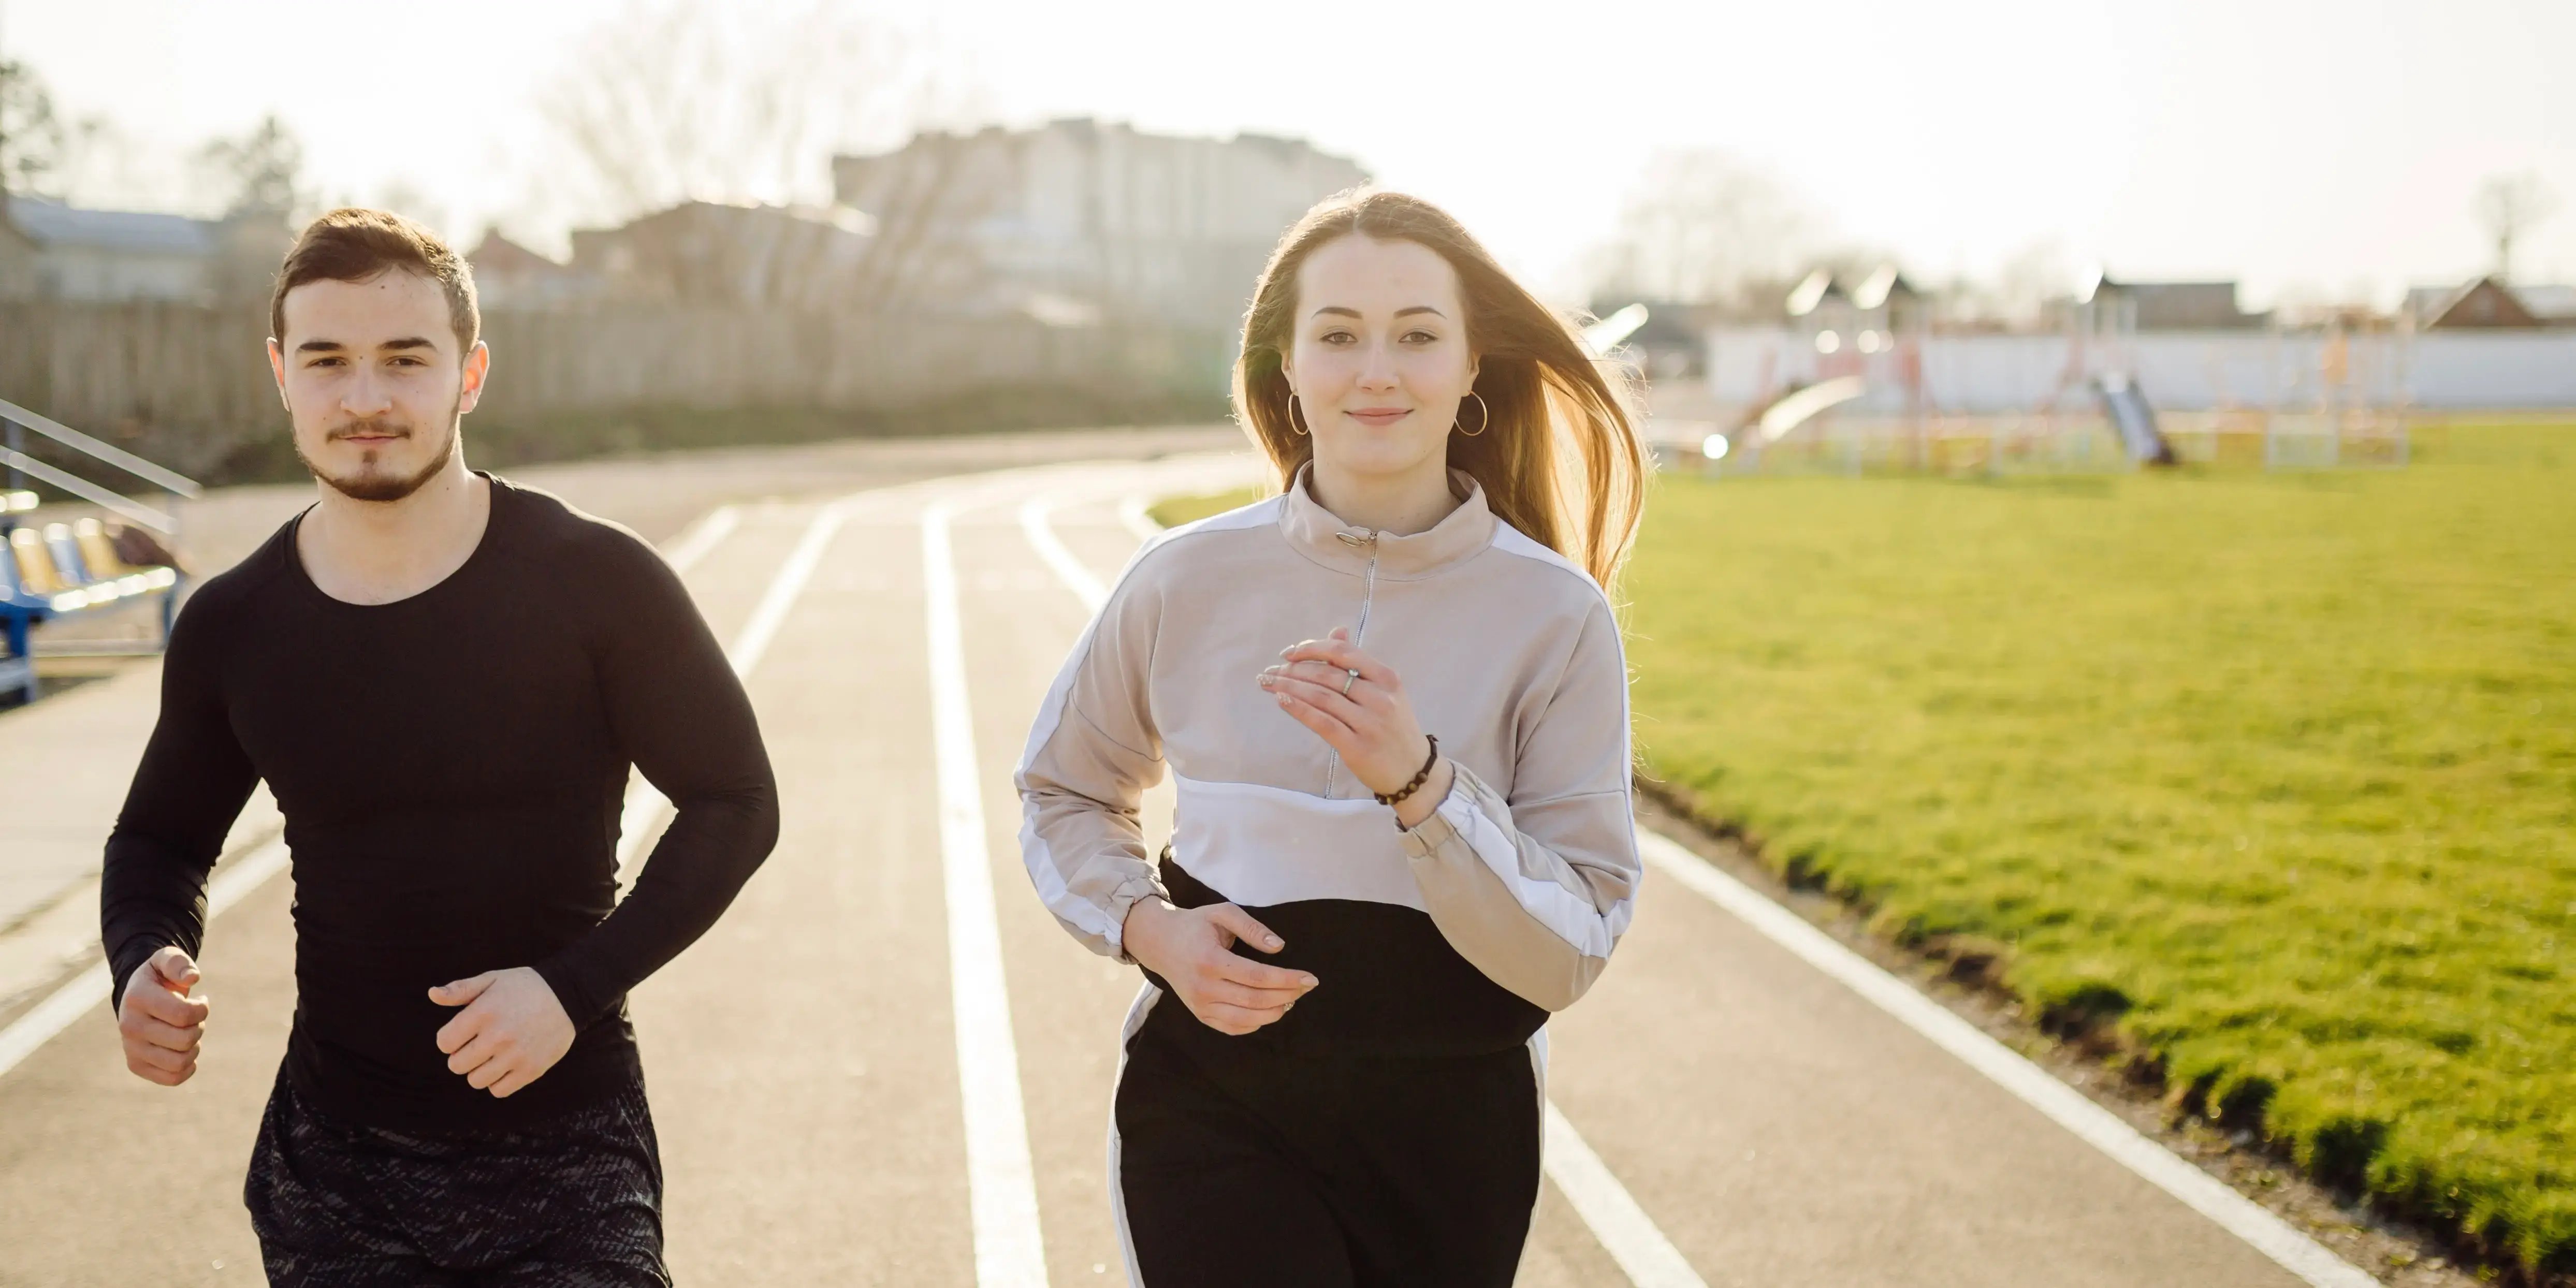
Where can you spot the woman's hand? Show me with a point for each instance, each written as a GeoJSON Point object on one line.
{"type": "Point", "coordinates": [1367, 718]}
{"type": "Point", "coordinates": [1193, 950]}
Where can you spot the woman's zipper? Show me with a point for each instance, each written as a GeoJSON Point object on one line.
{"type": "Point", "coordinates": [1359, 635]}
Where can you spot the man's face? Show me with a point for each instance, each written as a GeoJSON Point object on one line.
{"type": "Point", "coordinates": [374, 382]}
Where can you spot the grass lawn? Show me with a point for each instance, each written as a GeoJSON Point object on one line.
{"type": "Point", "coordinates": [2275, 774]}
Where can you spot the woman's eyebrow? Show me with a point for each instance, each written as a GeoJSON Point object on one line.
{"type": "Point", "coordinates": [1403, 312]}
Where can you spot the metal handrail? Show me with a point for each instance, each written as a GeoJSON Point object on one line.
{"type": "Point", "coordinates": [116, 456]}
{"type": "Point", "coordinates": [92, 492]}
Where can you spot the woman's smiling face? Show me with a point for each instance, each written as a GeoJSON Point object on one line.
{"type": "Point", "coordinates": [1379, 359]}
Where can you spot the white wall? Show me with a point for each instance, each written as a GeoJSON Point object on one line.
{"type": "Point", "coordinates": [92, 273]}
{"type": "Point", "coordinates": [2496, 369]}
{"type": "Point", "coordinates": [2179, 370]}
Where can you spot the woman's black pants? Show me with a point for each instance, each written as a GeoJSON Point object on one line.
{"type": "Point", "coordinates": [1323, 1172]}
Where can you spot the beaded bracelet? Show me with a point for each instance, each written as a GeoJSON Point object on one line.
{"type": "Point", "coordinates": [1420, 776]}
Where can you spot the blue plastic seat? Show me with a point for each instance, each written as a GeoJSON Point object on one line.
{"type": "Point", "coordinates": [67, 555]}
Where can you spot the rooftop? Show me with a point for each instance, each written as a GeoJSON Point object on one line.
{"type": "Point", "coordinates": [51, 223]}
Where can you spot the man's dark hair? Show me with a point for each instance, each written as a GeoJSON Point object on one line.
{"type": "Point", "coordinates": [353, 244]}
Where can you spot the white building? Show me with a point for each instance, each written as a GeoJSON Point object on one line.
{"type": "Point", "coordinates": [1077, 219]}
{"type": "Point", "coordinates": [55, 251]}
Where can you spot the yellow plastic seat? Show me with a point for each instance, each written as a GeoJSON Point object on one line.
{"type": "Point", "coordinates": [35, 563]}
{"type": "Point", "coordinates": [98, 552]}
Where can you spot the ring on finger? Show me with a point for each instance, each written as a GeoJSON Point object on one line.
{"type": "Point", "coordinates": [1348, 680]}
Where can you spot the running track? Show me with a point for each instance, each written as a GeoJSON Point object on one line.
{"type": "Point", "coordinates": [887, 1065]}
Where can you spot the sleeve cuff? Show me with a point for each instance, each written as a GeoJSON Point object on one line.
{"type": "Point", "coordinates": [578, 1005]}
{"type": "Point", "coordinates": [1144, 885]}
{"type": "Point", "coordinates": [1437, 829]}
{"type": "Point", "coordinates": [121, 965]}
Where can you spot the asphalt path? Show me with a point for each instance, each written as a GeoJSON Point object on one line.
{"type": "Point", "coordinates": [1730, 1113]}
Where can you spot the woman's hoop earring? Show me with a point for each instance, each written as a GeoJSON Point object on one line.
{"type": "Point", "coordinates": [1484, 422]}
{"type": "Point", "coordinates": [1292, 415]}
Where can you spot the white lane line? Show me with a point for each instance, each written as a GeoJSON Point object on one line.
{"type": "Point", "coordinates": [2027, 1082]}
{"type": "Point", "coordinates": [1623, 1229]}
{"type": "Point", "coordinates": [1618, 1223]}
{"type": "Point", "coordinates": [52, 1015]}
{"type": "Point", "coordinates": [645, 802]}
{"type": "Point", "coordinates": [1052, 552]}
{"type": "Point", "coordinates": [752, 642]}
{"type": "Point", "coordinates": [1131, 514]}
{"type": "Point", "coordinates": [90, 987]}
{"type": "Point", "coordinates": [1001, 1181]}
{"type": "Point", "coordinates": [704, 535]}
{"type": "Point", "coordinates": [237, 879]}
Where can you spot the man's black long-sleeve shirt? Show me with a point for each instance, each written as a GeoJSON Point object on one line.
{"type": "Point", "coordinates": [451, 767]}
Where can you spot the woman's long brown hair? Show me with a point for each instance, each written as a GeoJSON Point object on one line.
{"type": "Point", "coordinates": [1558, 458]}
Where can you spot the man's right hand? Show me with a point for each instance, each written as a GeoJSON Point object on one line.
{"type": "Point", "coordinates": [160, 1023]}
{"type": "Point", "coordinates": [1193, 950]}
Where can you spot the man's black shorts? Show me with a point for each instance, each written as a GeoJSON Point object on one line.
{"type": "Point", "coordinates": [575, 1204]}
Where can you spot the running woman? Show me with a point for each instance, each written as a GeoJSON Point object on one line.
{"type": "Point", "coordinates": [444, 679]}
{"type": "Point", "coordinates": [1333, 1075]}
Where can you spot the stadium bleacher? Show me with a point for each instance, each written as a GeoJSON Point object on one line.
{"type": "Point", "coordinates": [51, 567]}
{"type": "Point", "coordinates": [54, 569]}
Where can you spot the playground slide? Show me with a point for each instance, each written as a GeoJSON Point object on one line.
{"type": "Point", "coordinates": [2133, 420]}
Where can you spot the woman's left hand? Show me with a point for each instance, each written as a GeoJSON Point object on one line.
{"type": "Point", "coordinates": [1372, 724]}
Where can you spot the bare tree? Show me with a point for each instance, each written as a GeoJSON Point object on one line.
{"type": "Point", "coordinates": [1702, 226]}
{"type": "Point", "coordinates": [675, 100]}
{"type": "Point", "coordinates": [680, 100]}
{"type": "Point", "coordinates": [262, 170]}
{"type": "Point", "coordinates": [2511, 205]}
{"type": "Point", "coordinates": [921, 200]}
{"type": "Point", "coordinates": [34, 140]}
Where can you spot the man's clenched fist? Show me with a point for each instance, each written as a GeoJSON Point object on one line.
{"type": "Point", "coordinates": [160, 1024]}
{"type": "Point", "coordinates": [511, 1031]}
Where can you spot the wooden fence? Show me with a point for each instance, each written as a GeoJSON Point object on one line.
{"type": "Point", "coordinates": [189, 386]}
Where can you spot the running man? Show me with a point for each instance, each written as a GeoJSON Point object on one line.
{"type": "Point", "coordinates": [444, 679]}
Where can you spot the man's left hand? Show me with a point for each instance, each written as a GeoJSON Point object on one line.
{"type": "Point", "coordinates": [511, 1031]}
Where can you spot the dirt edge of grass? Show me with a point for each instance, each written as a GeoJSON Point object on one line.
{"type": "Point", "coordinates": [2086, 1047]}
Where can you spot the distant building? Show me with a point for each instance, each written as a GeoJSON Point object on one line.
{"type": "Point", "coordinates": [2474, 305]}
{"type": "Point", "coordinates": [57, 251]}
{"type": "Point", "coordinates": [704, 252]}
{"type": "Point", "coordinates": [1079, 219]}
{"type": "Point", "coordinates": [508, 275]}
{"type": "Point", "coordinates": [2487, 303]}
{"type": "Point", "coordinates": [2178, 306]}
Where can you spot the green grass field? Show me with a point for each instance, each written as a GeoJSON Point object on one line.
{"type": "Point", "coordinates": [2275, 775]}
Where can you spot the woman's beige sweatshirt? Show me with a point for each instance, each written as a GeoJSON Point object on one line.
{"type": "Point", "coordinates": [1527, 870]}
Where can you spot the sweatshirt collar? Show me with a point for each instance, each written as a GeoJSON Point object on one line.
{"type": "Point", "coordinates": [1317, 534]}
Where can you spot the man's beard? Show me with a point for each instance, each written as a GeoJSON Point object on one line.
{"type": "Point", "coordinates": [377, 487]}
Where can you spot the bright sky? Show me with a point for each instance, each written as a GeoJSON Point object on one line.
{"type": "Point", "coordinates": [2324, 148]}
